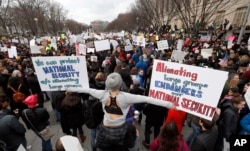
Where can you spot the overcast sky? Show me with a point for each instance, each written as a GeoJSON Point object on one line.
{"type": "Point", "coordinates": [85, 11]}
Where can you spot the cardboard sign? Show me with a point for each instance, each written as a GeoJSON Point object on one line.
{"type": "Point", "coordinates": [206, 53]}
{"type": "Point", "coordinates": [188, 87]}
{"type": "Point", "coordinates": [35, 49]}
{"type": "Point", "coordinates": [163, 44]}
{"type": "Point", "coordinates": [12, 52]}
{"type": "Point", "coordinates": [102, 45]}
{"type": "Point", "coordinates": [178, 55]}
{"type": "Point", "coordinates": [58, 73]}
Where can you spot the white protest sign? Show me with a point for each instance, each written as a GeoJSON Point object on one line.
{"type": "Point", "coordinates": [93, 58]}
{"type": "Point", "coordinates": [14, 40]}
{"type": "Point", "coordinates": [35, 49]}
{"type": "Point", "coordinates": [134, 39]}
{"type": "Point", "coordinates": [180, 44]}
{"type": "Point", "coordinates": [229, 44]}
{"type": "Point", "coordinates": [163, 44]}
{"type": "Point", "coordinates": [12, 52]}
{"type": "Point", "coordinates": [178, 55]}
{"type": "Point", "coordinates": [247, 97]}
{"type": "Point", "coordinates": [140, 41]}
{"type": "Point", "coordinates": [89, 50]}
{"type": "Point", "coordinates": [72, 39]}
{"type": "Point", "coordinates": [58, 73]}
{"type": "Point", "coordinates": [4, 49]}
{"type": "Point", "coordinates": [205, 45]}
{"type": "Point", "coordinates": [205, 38]}
{"type": "Point", "coordinates": [32, 42]}
{"type": "Point", "coordinates": [127, 42]}
{"type": "Point", "coordinates": [188, 87]}
{"type": "Point", "coordinates": [206, 53]}
{"type": "Point", "coordinates": [102, 45]}
{"type": "Point", "coordinates": [114, 43]}
{"type": "Point", "coordinates": [128, 48]}
{"type": "Point", "coordinates": [82, 49]}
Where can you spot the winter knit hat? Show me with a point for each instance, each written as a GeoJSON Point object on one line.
{"type": "Point", "coordinates": [15, 73]}
{"type": "Point", "coordinates": [31, 101]}
{"type": "Point", "coordinates": [114, 81]}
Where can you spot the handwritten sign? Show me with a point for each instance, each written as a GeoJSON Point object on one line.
{"type": "Point", "coordinates": [163, 44]}
{"type": "Point", "coordinates": [190, 88]}
{"type": "Point", "coordinates": [206, 53]}
{"type": "Point", "coordinates": [90, 50]}
{"type": "Point", "coordinates": [58, 73]}
{"type": "Point", "coordinates": [102, 45]}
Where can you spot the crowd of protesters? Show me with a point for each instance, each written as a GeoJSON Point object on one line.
{"type": "Point", "coordinates": [135, 69]}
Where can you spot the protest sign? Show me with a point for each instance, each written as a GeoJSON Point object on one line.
{"type": "Point", "coordinates": [190, 88]}
{"type": "Point", "coordinates": [180, 44]}
{"type": "Point", "coordinates": [206, 53]}
{"type": "Point", "coordinates": [102, 45]}
{"type": "Point", "coordinates": [247, 97]}
{"type": "Point", "coordinates": [128, 48]}
{"type": "Point", "coordinates": [205, 45]}
{"type": "Point", "coordinates": [163, 44]}
{"type": "Point", "coordinates": [32, 42]}
{"type": "Point", "coordinates": [140, 41]}
{"type": "Point", "coordinates": [114, 43]}
{"type": "Point", "coordinates": [12, 52]}
{"type": "Point", "coordinates": [14, 40]}
{"type": "Point", "coordinates": [205, 38]}
{"type": "Point", "coordinates": [93, 58]}
{"type": "Point", "coordinates": [35, 49]}
{"type": "Point", "coordinates": [89, 50]}
{"type": "Point", "coordinates": [58, 73]}
{"type": "Point", "coordinates": [178, 55]}
{"type": "Point", "coordinates": [82, 49]}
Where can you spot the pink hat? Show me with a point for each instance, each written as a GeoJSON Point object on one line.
{"type": "Point", "coordinates": [31, 101]}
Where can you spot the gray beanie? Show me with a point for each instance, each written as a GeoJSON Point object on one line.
{"type": "Point", "coordinates": [113, 81]}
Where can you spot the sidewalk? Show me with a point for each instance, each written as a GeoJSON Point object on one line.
{"type": "Point", "coordinates": [36, 143]}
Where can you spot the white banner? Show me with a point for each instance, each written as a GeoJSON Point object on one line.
{"type": "Point", "coordinates": [190, 88]}
{"type": "Point", "coordinates": [163, 44]}
{"type": "Point", "coordinates": [58, 73]}
{"type": "Point", "coordinates": [102, 45]}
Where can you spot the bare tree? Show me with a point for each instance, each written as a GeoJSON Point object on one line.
{"type": "Point", "coordinates": [4, 17]}
{"type": "Point", "coordinates": [196, 14]}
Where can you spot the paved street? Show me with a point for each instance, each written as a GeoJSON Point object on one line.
{"type": "Point", "coordinates": [35, 142]}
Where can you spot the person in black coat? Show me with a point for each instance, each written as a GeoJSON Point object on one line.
{"type": "Point", "coordinates": [4, 77]}
{"type": "Point", "coordinates": [34, 86]}
{"type": "Point", "coordinates": [12, 132]}
{"type": "Point", "coordinates": [14, 82]}
{"type": "Point", "coordinates": [37, 119]}
{"type": "Point", "coordinates": [228, 122]}
{"type": "Point", "coordinates": [72, 111]}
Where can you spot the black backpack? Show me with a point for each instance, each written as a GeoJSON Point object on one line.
{"type": "Point", "coordinates": [93, 114]}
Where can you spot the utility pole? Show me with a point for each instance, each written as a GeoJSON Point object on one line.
{"type": "Point", "coordinates": [243, 27]}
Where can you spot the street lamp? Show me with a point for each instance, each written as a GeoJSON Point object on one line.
{"type": "Point", "coordinates": [137, 21]}
{"type": "Point", "coordinates": [36, 21]}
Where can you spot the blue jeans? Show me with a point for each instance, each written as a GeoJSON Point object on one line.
{"type": "Point", "coordinates": [191, 137]}
{"type": "Point", "coordinates": [46, 145]}
{"type": "Point", "coordinates": [93, 137]}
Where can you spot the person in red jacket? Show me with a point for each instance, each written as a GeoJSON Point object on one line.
{"type": "Point", "coordinates": [178, 117]}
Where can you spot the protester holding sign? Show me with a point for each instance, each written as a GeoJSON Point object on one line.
{"type": "Point", "coordinates": [116, 105]}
